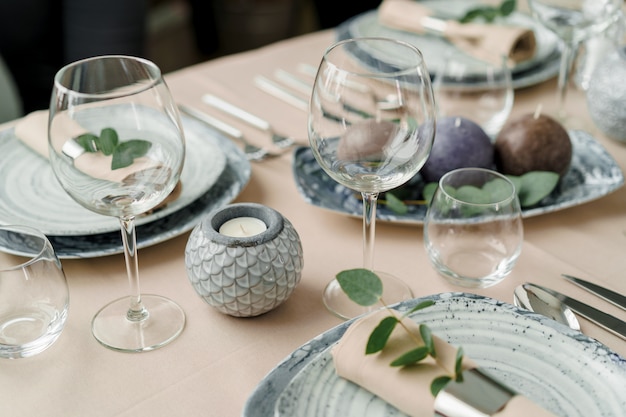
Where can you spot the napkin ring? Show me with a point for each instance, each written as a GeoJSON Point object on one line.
{"type": "Point", "coordinates": [479, 395]}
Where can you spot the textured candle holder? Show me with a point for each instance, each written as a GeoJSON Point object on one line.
{"type": "Point", "coordinates": [244, 276]}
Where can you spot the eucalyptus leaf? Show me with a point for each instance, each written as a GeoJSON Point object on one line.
{"type": "Point", "coordinates": [438, 384]}
{"type": "Point", "coordinates": [458, 365]}
{"type": "Point", "coordinates": [535, 186]}
{"type": "Point", "coordinates": [420, 306]}
{"type": "Point", "coordinates": [427, 337]}
{"type": "Point", "coordinates": [126, 152]}
{"type": "Point", "coordinates": [429, 191]}
{"type": "Point", "coordinates": [395, 204]}
{"type": "Point", "coordinates": [88, 141]}
{"type": "Point", "coordinates": [489, 13]}
{"type": "Point", "coordinates": [411, 357]}
{"type": "Point", "coordinates": [380, 335]}
{"type": "Point", "coordinates": [361, 285]}
{"type": "Point", "coordinates": [107, 142]}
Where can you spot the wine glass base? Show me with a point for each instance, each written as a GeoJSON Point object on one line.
{"type": "Point", "coordinates": [112, 328]}
{"type": "Point", "coordinates": [338, 303]}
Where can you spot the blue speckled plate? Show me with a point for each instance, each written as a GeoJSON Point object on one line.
{"type": "Point", "coordinates": [560, 369]}
{"type": "Point", "coordinates": [593, 174]}
{"type": "Point", "coordinates": [233, 178]}
{"type": "Point", "coordinates": [543, 66]}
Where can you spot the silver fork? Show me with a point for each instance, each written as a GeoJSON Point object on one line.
{"type": "Point", "coordinates": [253, 152]}
{"type": "Point", "coordinates": [279, 140]}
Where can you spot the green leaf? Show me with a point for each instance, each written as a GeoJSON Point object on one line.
{"type": "Point", "coordinates": [361, 285]}
{"type": "Point", "coordinates": [429, 191]}
{"type": "Point", "coordinates": [489, 13]}
{"type": "Point", "coordinates": [395, 204]}
{"type": "Point", "coordinates": [438, 384]}
{"type": "Point", "coordinates": [108, 141]}
{"type": "Point", "coordinates": [535, 186]}
{"type": "Point", "coordinates": [507, 7]}
{"type": "Point", "coordinates": [379, 336]}
{"type": "Point", "coordinates": [88, 141]}
{"type": "Point", "coordinates": [411, 357]}
{"type": "Point", "coordinates": [126, 152]}
{"type": "Point", "coordinates": [427, 337]}
{"type": "Point", "coordinates": [420, 306]}
{"type": "Point", "coordinates": [458, 365]}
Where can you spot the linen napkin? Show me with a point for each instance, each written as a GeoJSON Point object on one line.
{"type": "Point", "coordinates": [32, 130]}
{"type": "Point", "coordinates": [486, 42]}
{"type": "Point", "coordinates": [406, 388]}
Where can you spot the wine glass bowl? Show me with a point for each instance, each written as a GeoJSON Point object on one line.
{"type": "Point", "coordinates": [117, 148]}
{"type": "Point", "coordinates": [364, 143]}
{"type": "Point", "coordinates": [573, 21]}
{"type": "Point", "coordinates": [478, 91]}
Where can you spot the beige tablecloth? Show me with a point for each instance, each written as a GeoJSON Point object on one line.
{"type": "Point", "coordinates": [218, 360]}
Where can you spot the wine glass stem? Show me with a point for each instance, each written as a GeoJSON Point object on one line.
{"type": "Point", "coordinates": [369, 228]}
{"type": "Point", "coordinates": [567, 59]}
{"type": "Point", "coordinates": [136, 312]}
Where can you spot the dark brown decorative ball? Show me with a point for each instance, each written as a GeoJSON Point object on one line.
{"type": "Point", "coordinates": [530, 143]}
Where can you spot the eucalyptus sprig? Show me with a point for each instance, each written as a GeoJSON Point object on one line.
{"type": "Point", "coordinates": [365, 288]}
{"type": "Point", "coordinates": [123, 153]}
{"type": "Point", "coordinates": [489, 13]}
{"type": "Point", "coordinates": [531, 187]}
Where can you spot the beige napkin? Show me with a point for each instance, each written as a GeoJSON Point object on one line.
{"type": "Point", "coordinates": [406, 388]}
{"type": "Point", "coordinates": [486, 42]}
{"type": "Point", "coordinates": [32, 130]}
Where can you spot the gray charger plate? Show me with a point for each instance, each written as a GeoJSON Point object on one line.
{"type": "Point", "coordinates": [543, 66]}
{"type": "Point", "coordinates": [233, 178]}
{"type": "Point", "coordinates": [593, 174]}
{"type": "Point", "coordinates": [558, 368]}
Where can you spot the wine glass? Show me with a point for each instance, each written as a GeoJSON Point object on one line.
{"type": "Point", "coordinates": [117, 147]}
{"type": "Point", "coordinates": [371, 125]}
{"type": "Point", "coordinates": [573, 21]}
{"type": "Point", "coordinates": [476, 90]}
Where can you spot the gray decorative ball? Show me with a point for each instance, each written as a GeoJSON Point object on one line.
{"type": "Point", "coordinates": [244, 276]}
{"type": "Point", "coordinates": [606, 95]}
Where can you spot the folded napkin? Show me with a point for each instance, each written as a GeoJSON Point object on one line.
{"type": "Point", "coordinates": [406, 388]}
{"type": "Point", "coordinates": [32, 130]}
{"type": "Point", "coordinates": [487, 42]}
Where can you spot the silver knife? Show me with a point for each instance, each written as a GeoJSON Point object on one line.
{"type": "Point", "coordinates": [604, 293]}
{"type": "Point", "coordinates": [280, 93]}
{"type": "Point", "coordinates": [605, 320]}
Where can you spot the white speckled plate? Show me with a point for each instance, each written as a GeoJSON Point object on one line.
{"type": "Point", "coordinates": [544, 65]}
{"type": "Point", "coordinates": [31, 195]}
{"type": "Point", "coordinates": [593, 174]}
{"type": "Point", "coordinates": [233, 178]}
{"type": "Point", "coordinates": [562, 370]}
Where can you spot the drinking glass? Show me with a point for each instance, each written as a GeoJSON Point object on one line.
{"type": "Point", "coordinates": [573, 21]}
{"type": "Point", "coordinates": [34, 298]}
{"type": "Point", "coordinates": [478, 91]}
{"type": "Point", "coordinates": [371, 125]}
{"type": "Point", "coordinates": [473, 229]}
{"type": "Point", "coordinates": [117, 148]}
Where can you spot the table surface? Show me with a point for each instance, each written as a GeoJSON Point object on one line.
{"type": "Point", "coordinates": [216, 363]}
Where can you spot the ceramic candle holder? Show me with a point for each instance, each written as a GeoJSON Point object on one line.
{"type": "Point", "coordinates": [249, 275]}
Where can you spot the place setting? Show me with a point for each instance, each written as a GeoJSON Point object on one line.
{"type": "Point", "coordinates": [514, 359]}
{"type": "Point", "coordinates": [33, 196]}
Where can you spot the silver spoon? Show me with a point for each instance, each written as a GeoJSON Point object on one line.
{"type": "Point", "coordinates": [532, 298]}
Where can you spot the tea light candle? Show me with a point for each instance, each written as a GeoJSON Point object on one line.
{"type": "Point", "coordinates": [244, 259]}
{"type": "Point", "coordinates": [243, 227]}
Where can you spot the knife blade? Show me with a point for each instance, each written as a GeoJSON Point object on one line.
{"type": "Point", "coordinates": [605, 320]}
{"type": "Point", "coordinates": [604, 293]}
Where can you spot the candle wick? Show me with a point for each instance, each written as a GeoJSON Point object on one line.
{"type": "Point", "coordinates": [537, 111]}
{"type": "Point", "coordinates": [243, 229]}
